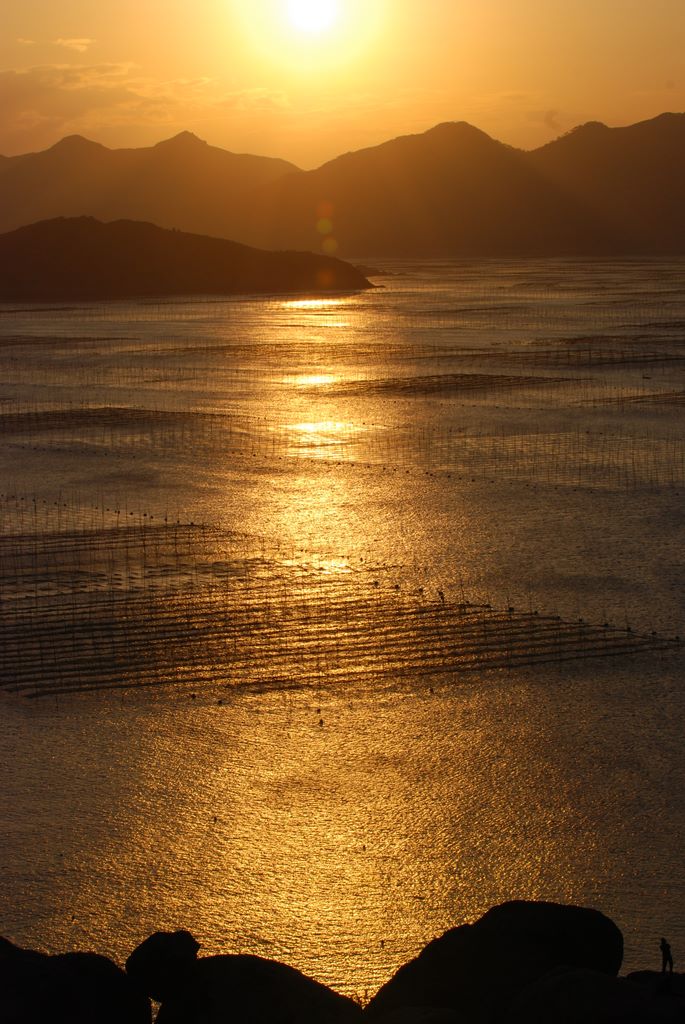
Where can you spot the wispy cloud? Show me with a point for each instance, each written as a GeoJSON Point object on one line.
{"type": "Point", "coordinates": [80, 45]}
{"type": "Point", "coordinates": [42, 103]}
{"type": "Point", "coordinates": [254, 99]}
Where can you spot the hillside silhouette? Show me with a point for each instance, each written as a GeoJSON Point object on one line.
{"type": "Point", "coordinates": [633, 177]}
{"type": "Point", "coordinates": [450, 191]}
{"type": "Point", "coordinates": [454, 191]}
{"type": "Point", "coordinates": [180, 183]}
{"type": "Point", "coordinates": [80, 258]}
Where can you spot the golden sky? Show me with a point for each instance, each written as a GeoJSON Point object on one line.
{"type": "Point", "coordinates": [308, 79]}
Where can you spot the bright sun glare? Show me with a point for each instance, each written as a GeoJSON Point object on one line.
{"type": "Point", "coordinates": [310, 37]}
{"type": "Point", "coordinates": [314, 16]}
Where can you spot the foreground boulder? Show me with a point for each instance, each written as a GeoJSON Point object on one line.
{"type": "Point", "coordinates": [216, 989]}
{"type": "Point", "coordinates": [478, 969]}
{"type": "Point", "coordinates": [69, 988]}
{"type": "Point", "coordinates": [420, 1015]}
{"type": "Point", "coordinates": [588, 997]}
{"type": "Point", "coordinates": [157, 963]}
{"type": "Point", "coordinates": [580, 997]}
{"type": "Point", "coordinates": [665, 994]}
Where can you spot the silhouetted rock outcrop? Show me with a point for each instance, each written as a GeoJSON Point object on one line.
{"type": "Point", "coordinates": [81, 258]}
{"type": "Point", "coordinates": [478, 969]}
{"type": "Point", "coordinates": [420, 1015]}
{"type": "Point", "coordinates": [665, 994]}
{"type": "Point", "coordinates": [580, 997]}
{"type": "Point", "coordinates": [521, 963]}
{"type": "Point", "coordinates": [216, 989]}
{"type": "Point", "coordinates": [587, 997]}
{"type": "Point", "coordinates": [158, 962]}
{"type": "Point", "coordinates": [69, 988]}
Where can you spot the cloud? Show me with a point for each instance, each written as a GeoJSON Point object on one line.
{"type": "Point", "coordinates": [41, 104]}
{"type": "Point", "coordinates": [80, 45]}
{"type": "Point", "coordinates": [26, 42]}
{"type": "Point", "coordinates": [255, 99]}
{"type": "Point", "coordinates": [551, 119]}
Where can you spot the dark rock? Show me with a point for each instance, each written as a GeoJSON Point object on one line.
{"type": "Point", "coordinates": [580, 997]}
{"type": "Point", "coordinates": [156, 964]}
{"type": "Point", "coordinates": [657, 982]}
{"type": "Point", "coordinates": [578, 936]}
{"type": "Point", "coordinates": [69, 988]}
{"type": "Point", "coordinates": [420, 1015]}
{"type": "Point", "coordinates": [215, 989]}
{"type": "Point", "coordinates": [12, 954]}
{"type": "Point", "coordinates": [666, 994]}
{"type": "Point", "coordinates": [477, 969]}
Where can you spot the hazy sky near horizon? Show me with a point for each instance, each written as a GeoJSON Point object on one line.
{"type": "Point", "coordinates": [308, 79]}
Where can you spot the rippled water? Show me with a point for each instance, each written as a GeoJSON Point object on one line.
{"type": "Point", "coordinates": [291, 599]}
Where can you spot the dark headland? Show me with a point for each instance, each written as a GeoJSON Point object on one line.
{"type": "Point", "coordinates": [80, 258]}
{"type": "Point", "coordinates": [521, 963]}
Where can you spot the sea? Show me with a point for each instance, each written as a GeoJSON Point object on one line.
{"type": "Point", "coordinates": [330, 622]}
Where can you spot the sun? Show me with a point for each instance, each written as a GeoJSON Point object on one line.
{"type": "Point", "coordinates": [312, 16]}
{"type": "Point", "coordinates": [311, 37]}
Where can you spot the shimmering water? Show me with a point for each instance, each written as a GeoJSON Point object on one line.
{"type": "Point", "coordinates": [291, 594]}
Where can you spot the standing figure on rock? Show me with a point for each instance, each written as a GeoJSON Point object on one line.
{"type": "Point", "coordinates": [666, 957]}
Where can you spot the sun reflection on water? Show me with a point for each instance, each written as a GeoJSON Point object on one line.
{"type": "Point", "coordinates": [310, 380]}
{"type": "Point", "coordinates": [322, 313]}
{"type": "Point", "coordinates": [315, 304]}
{"type": "Point", "coordinates": [319, 439]}
{"type": "Point", "coordinates": [346, 805]}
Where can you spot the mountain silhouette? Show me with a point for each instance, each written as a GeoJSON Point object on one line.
{"type": "Point", "coordinates": [180, 183]}
{"type": "Point", "coordinates": [450, 191]}
{"type": "Point", "coordinates": [80, 258]}
{"type": "Point", "coordinates": [633, 177]}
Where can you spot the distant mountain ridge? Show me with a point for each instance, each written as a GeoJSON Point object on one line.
{"type": "Point", "coordinates": [180, 183]}
{"type": "Point", "coordinates": [450, 191]}
{"type": "Point", "coordinates": [634, 177]}
{"type": "Point", "coordinates": [81, 259]}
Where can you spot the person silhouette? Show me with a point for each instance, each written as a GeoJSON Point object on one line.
{"type": "Point", "coordinates": [666, 957]}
